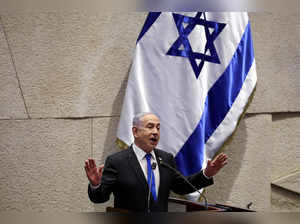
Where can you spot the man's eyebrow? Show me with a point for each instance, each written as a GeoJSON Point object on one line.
{"type": "Point", "coordinates": [153, 123]}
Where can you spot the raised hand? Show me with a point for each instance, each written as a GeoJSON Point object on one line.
{"type": "Point", "coordinates": [214, 166]}
{"type": "Point", "coordinates": [93, 173]}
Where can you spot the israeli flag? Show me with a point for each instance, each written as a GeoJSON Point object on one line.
{"type": "Point", "coordinates": [196, 71]}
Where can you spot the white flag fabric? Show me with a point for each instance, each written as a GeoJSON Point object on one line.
{"type": "Point", "coordinates": [196, 71]}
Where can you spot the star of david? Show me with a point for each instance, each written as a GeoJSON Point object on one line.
{"type": "Point", "coordinates": [182, 47]}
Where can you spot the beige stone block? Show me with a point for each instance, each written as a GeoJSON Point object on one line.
{"type": "Point", "coordinates": [12, 105]}
{"type": "Point", "coordinates": [290, 182]}
{"type": "Point", "coordinates": [286, 146]}
{"type": "Point", "coordinates": [104, 136]}
{"type": "Point", "coordinates": [42, 165]}
{"type": "Point", "coordinates": [246, 177]}
{"type": "Point", "coordinates": [3, 42]}
{"type": "Point", "coordinates": [73, 64]}
{"type": "Point", "coordinates": [276, 42]}
{"type": "Point", "coordinates": [284, 200]}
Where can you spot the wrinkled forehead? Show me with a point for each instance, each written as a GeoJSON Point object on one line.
{"type": "Point", "coordinates": [150, 118]}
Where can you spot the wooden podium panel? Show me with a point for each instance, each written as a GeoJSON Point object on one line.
{"type": "Point", "coordinates": [181, 205]}
{"type": "Point", "coordinates": [189, 206]}
{"type": "Point", "coordinates": [176, 204]}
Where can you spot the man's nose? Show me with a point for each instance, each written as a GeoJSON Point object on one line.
{"type": "Point", "coordinates": [155, 131]}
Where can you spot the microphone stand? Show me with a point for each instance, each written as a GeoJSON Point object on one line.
{"type": "Point", "coordinates": [186, 180]}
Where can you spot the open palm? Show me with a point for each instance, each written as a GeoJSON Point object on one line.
{"type": "Point", "coordinates": [93, 173]}
{"type": "Point", "coordinates": [213, 167]}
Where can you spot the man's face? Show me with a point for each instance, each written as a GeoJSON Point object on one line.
{"type": "Point", "coordinates": [147, 133]}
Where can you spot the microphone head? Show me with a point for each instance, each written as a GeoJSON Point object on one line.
{"type": "Point", "coordinates": [159, 160]}
{"type": "Point", "coordinates": [153, 165]}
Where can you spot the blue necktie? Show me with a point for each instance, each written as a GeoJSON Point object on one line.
{"type": "Point", "coordinates": [149, 173]}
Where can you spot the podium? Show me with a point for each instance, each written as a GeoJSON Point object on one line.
{"type": "Point", "coordinates": [181, 205]}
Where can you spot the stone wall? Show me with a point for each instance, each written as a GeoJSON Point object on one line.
{"type": "Point", "coordinates": [62, 83]}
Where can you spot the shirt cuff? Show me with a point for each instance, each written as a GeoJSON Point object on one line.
{"type": "Point", "coordinates": [205, 175]}
{"type": "Point", "coordinates": [94, 187]}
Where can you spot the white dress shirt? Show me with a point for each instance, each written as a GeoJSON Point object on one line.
{"type": "Point", "coordinates": [140, 154]}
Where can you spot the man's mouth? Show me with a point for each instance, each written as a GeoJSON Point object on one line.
{"type": "Point", "coordinates": [153, 140]}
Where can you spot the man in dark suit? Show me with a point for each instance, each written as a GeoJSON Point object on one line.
{"type": "Point", "coordinates": [137, 177]}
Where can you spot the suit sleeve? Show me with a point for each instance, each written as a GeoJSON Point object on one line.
{"type": "Point", "coordinates": [180, 186]}
{"type": "Point", "coordinates": [108, 182]}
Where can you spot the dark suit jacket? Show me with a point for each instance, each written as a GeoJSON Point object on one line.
{"type": "Point", "coordinates": [123, 176]}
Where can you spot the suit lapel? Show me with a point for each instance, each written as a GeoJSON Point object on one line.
{"type": "Point", "coordinates": [162, 172]}
{"type": "Point", "coordinates": [136, 167]}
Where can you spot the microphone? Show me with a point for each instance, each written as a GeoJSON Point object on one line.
{"type": "Point", "coordinates": [153, 167]}
{"type": "Point", "coordinates": [183, 177]}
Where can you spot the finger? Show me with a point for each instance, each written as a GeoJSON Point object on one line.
{"type": "Point", "coordinates": [225, 162]}
{"type": "Point", "coordinates": [224, 159]}
{"type": "Point", "coordinates": [221, 157]}
{"type": "Point", "coordinates": [220, 165]}
{"type": "Point", "coordinates": [101, 169]}
{"type": "Point", "coordinates": [92, 163]}
{"type": "Point", "coordinates": [220, 154]}
{"type": "Point", "coordinates": [209, 162]}
{"type": "Point", "coordinates": [216, 162]}
{"type": "Point", "coordinates": [216, 158]}
{"type": "Point", "coordinates": [87, 167]}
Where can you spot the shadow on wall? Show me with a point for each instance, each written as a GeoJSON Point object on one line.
{"type": "Point", "coordinates": [284, 200]}
{"type": "Point", "coordinates": [221, 191]}
{"type": "Point", "coordinates": [284, 116]}
{"type": "Point", "coordinates": [111, 135]}
{"type": "Point", "coordinates": [109, 142]}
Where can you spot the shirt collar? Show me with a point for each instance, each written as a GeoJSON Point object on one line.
{"type": "Point", "coordinates": [140, 154]}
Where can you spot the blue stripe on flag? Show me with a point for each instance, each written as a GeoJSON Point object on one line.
{"type": "Point", "coordinates": [218, 102]}
{"type": "Point", "coordinates": [151, 18]}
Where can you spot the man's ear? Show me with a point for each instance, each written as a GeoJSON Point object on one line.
{"type": "Point", "coordinates": [134, 131]}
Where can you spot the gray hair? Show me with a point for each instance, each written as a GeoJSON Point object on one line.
{"type": "Point", "coordinates": [136, 121]}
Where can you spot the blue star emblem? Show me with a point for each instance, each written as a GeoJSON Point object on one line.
{"type": "Point", "coordinates": [182, 47]}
